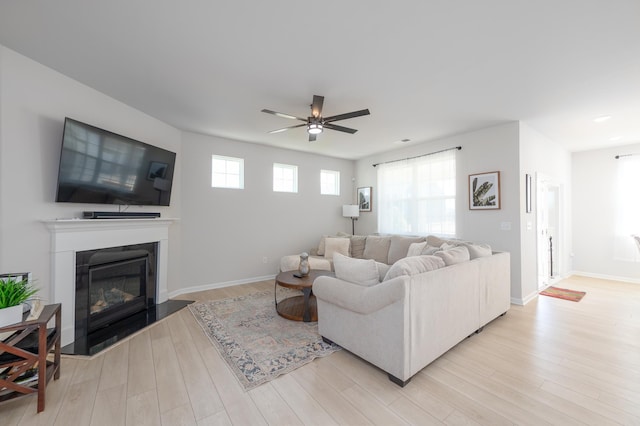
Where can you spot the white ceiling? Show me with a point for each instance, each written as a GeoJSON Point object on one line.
{"type": "Point", "coordinates": [425, 69]}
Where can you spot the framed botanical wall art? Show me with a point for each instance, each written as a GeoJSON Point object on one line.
{"type": "Point", "coordinates": [364, 199]}
{"type": "Point", "coordinates": [484, 191]}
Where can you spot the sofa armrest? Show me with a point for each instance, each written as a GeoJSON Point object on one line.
{"type": "Point", "coordinates": [357, 298]}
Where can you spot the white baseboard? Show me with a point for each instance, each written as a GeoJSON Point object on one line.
{"type": "Point", "coordinates": [219, 285]}
{"type": "Point", "coordinates": [606, 277]}
{"type": "Point", "coordinates": [528, 298]}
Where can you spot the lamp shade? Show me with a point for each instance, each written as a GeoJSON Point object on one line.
{"type": "Point", "coordinates": [350, 210]}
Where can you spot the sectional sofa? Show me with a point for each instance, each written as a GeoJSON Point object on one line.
{"type": "Point", "coordinates": [402, 312]}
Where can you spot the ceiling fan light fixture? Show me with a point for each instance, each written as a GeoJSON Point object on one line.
{"type": "Point", "coordinates": [314, 128]}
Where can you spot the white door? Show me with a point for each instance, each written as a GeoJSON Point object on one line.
{"type": "Point", "coordinates": [548, 240]}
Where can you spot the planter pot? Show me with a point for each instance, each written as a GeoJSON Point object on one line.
{"type": "Point", "coordinates": [11, 315]}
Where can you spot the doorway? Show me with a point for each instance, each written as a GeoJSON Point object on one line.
{"type": "Point", "coordinates": [549, 241]}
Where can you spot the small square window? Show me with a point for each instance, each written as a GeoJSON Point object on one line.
{"type": "Point", "coordinates": [227, 172]}
{"type": "Point", "coordinates": [329, 182]}
{"type": "Point", "coordinates": [285, 178]}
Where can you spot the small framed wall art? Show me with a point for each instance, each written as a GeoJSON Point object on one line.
{"type": "Point", "coordinates": [364, 199]}
{"type": "Point", "coordinates": [484, 191]}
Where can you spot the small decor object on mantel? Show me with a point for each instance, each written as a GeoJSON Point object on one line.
{"type": "Point", "coordinates": [304, 264]}
{"type": "Point", "coordinates": [484, 191]}
{"type": "Point", "coordinates": [15, 289]}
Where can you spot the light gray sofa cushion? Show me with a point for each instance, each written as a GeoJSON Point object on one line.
{"type": "Point", "coordinates": [383, 268]}
{"type": "Point", "coordinates": [358, 271]}
{"type": "Point", "coordinates": [414, 265]}
{"type": "Point", "coordinates": [377, 248]}
{"type": "Point", "coordinates": [399, 247]}
{"type": "Point", "coordinates": [357, 246]}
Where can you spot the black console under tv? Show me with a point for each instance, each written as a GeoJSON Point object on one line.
{"type": "Point", "coordinates": [119, 215]}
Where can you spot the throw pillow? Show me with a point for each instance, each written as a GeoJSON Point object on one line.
{"type": "Point", "coordinates": [321, 245]}
{"type": "Point", "coordinates": [414, 265]}
{"type": "Point", "coordinates": [454, 255]}
{"type": "Point", "coordinates": [429, 250]}
{"type": "Point", "coordinates": [415, 249]}
{"type": "Point", "coordinates": [447, 246]}
{"type": "Point", "coordinates": [377, 248]}
{"type": "Point", "coordinates": [478, 250]}
{"type": "Point", "coordinates": [399, 247]}
{"type": "Point", "coordinates": [434, 241]}
{"type": "Point", "coordinates": [336, 245]}
{"type": "Point", "coordinates": [358, 271]}
{"type": "Point", "coordinates": [357, 246]}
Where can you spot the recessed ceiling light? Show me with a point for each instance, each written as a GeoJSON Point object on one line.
{"type": "Point", "coordinates": [403, 141]}
{"type": "Point", "coordinates": [601, 119]}
{"type": "Point", "coordinates": [615, 138]}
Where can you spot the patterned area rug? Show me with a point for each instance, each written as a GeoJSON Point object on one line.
{"type": "Point", "coordinates": [256, 342]}
{"type": "Point", "coordinates": [563, 293]}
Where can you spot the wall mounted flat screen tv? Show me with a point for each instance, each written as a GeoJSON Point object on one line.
{"type": "Point", "coordinates": [101, 167]}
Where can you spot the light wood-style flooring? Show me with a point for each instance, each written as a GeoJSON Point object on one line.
{"type": "Point", "coordinates": [549, 362]}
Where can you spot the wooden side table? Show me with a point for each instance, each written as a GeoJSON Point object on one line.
{"type": "Point", "coordinates": [303, 307]}
{"type": "Point", "coordinates": [27, 349]}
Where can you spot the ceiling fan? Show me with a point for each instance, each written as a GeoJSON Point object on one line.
{"type": "Point", "coordinates": [316, 123]}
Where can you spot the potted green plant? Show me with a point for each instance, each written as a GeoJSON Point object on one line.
{"type": "Point", "coordinates": [14, 291]}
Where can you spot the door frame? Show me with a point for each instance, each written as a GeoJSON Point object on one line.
{"type": "Point", "coordinates": [543, 218]}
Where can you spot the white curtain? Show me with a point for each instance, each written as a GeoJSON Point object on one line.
{"type": "Point", "coordinates": [418, 196]}
{"type": "Point", "coordinates": [627, 209]}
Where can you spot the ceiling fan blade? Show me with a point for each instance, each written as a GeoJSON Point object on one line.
{"type": "Point", "coordinates": [339, 128]}
{"type": "Point", "coordinates": [283, 115]}
{"type": "Point", "coordinates": [316, 106]}
{"type": "Point", "coordinates": [347, 115]}
{"type": "Point", "coordinates": [312, 138]}
{"type": "Point", "coordinates": [287, 128]}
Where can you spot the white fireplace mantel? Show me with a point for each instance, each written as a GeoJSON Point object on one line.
{"type": "Point", "coordinates": [69, 236]}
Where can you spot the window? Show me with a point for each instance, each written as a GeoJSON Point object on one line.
{"type": "Point", "coordinates": [329, 182]}
{"type": "Point", "coordinates": [418, 196]}
{"type": "Point", "coordinates": [285, 178]}
{"type": "Point", "coordinates": [227, 172]}
{"type": "Point", "coordinates": [627, 209]}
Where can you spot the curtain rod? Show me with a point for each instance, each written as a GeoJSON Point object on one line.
{"type": "Point", "coordinates": [624, 155]}
{"type": "Point", "coordinates": [418, 156]}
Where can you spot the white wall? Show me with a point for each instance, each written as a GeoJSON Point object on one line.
{"type": "Point", "coordinates": [594, 182]}
{"type": "Point", "coordinates": [541, 156]}
{"type": "Point", "coordinates": [33, 104]}
{"type": "Point", "coordinates": [486, 150]}
{"type": "Point", "coordinates": [226, 233]}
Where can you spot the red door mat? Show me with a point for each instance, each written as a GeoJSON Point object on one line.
{"type": "Point", "coordinates": [563, 293]}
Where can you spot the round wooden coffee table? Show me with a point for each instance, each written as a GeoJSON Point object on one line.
{"type": "Point", "coordinates": [303, 307]}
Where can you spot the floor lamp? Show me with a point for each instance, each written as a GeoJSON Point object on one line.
{"type": "Point", "coordinates": [351, 211]}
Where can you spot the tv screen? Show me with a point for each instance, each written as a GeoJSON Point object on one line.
{"type": "Point", "coordinates": [101, 167]}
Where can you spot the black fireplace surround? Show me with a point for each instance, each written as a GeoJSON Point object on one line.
{"type": "Point", "coordinates": [112, 284]}
{"type": "Point", "coordinates": [116, 296]}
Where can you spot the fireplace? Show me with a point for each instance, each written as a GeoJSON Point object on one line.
{"type": "Point", "coordinates": [112, 284]}
{"type": "Point", "coordinates": [70, 236]}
